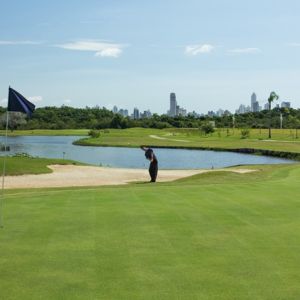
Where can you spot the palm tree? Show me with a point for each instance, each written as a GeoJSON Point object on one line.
{"type": "Point", "coordinates": [273, 97]}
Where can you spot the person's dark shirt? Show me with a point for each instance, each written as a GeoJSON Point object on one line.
{"type": "Point", "coordinates": [150, 155]}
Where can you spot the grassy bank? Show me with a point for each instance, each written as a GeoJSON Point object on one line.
{"type": "Point", "coordinates": [28, 165]}
{"type": "Point", "coordinates": [282, 142]}
{"type": "Point", "coordinates": [212, 236]}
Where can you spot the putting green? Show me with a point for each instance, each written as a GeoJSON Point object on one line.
{"type": "Point", "coordinates": [212, 236]}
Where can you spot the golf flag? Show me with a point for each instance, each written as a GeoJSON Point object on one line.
{"type": "Point", "coordinates": [17, 102]}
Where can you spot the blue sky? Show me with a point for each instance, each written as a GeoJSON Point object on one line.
{"type": "Point", "coordinates": [212, 54]}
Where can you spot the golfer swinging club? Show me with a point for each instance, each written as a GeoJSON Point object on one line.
{"type": "Point", "coordinates": [153, 168]}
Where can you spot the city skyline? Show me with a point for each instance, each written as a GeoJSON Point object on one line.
{"type": "Point", "coordinates": [176, 110]}
{"type": "Point", "coordinates": [132, 54]}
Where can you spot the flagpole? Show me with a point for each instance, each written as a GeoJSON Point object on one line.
{"type": "Point", "coordinates": [15, 102]}
{"type": "Point", "coordinates": [4, 170]}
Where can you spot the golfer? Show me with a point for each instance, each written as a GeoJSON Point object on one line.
{"type": "Point", "coordinates": [153, 168]}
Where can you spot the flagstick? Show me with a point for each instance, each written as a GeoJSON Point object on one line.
{"type": "Point", "coordinates": [3, 173]}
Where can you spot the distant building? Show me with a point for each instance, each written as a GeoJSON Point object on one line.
{"type": "Point", "coordinates": [255, 106]}
{"type": "Point", "coordinates": [285, 104]}
{"type": "Point", "coordinates": [266, 106]}
{"type": "Point", "coordinates": [175, 109]}
{"type": "Point", "coordinates": [220, 112]}
{"type": "Point", "coordinates": [194, 114]}
{"type": "Point", "coordinates": [136, 113]}
{"type": "Point", "coordinates": [173, 105]}
{"type": "Point", "coordinates": [253, 100]}
{"type": "Point", "coordinates": [181, 111]}
{"type": "Point", "coordinates": [241, 109]}
{"type": "Point", "coordinates": [146, 114]}
{"type": "Point", "coordinates": [211, 113]}
{"type": "Point", "coordinates": [123, 112]}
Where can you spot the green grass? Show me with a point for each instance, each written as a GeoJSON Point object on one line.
{"type": "Point", "coordinates": [213, 236]}
{"type": "Point", "coordinates": [46, 132]}
{"type": "Point", "coordinates": [28, 165]}
{"type": "Point", "coordinates": [283, 140]}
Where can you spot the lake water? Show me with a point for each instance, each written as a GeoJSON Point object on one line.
{"type": "Point", "coordinates": [62, 147]}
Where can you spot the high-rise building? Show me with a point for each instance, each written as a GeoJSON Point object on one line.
{"type": "Point", "coordinates": [255, 107]}
{"type": "Point", "coordinates": [136, 113]}
{"type": "Point", "coordinates": [285, 104]}
{"type": "Point", "coordinates": [253, 100]}
{"type": "Point", "coordinates": [254, 103]}
{"type": "Point", "coordinates": [115, 109]}
{"type": "Point", "coordinates": [173, 105]}
{"type": "Point", "coordinates": [243, 109]}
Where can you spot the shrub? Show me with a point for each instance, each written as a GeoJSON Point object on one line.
{"type": "Point", "coordinates": [94, 133]}
{"type": "Point", "coordinates": [245, 133]}
{"type": "Point", "coordinates": [207, 128]}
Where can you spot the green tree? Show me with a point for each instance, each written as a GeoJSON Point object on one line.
{"type": "Point", "coordinates": [207, 128]}
{"type": "Point", "coordinates": [273, 97]}
{"type": "Point", "coordinates": [15, 120]}
{"type": "Point", "coordinates": [294, 123]}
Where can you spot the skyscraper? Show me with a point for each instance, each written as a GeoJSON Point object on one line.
{"type": "Point", "coordinates": [255, 107]}
{"type": "Point", "coordinates": [254, 103]}
{"type": "Point", "coordinates": [253, 100]}
{"type": "Point", "coordinates": [286, 104]}
{"type": "Point", "coordinates": [136, 113]}
{"type": "Point", "coordinates": [115, 109]}
{"type": "Point", "coordinates": [173, 105]}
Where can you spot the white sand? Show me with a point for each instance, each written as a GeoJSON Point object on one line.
{"type": "Point", "coordinates": [163, 138]}
{"type": "Point", "coordinates": [70, 175]}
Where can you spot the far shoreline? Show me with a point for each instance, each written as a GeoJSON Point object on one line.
{"type": "Point", "coordinates": [260, 152]}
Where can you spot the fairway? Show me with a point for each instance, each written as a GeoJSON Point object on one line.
{"type": "Point", "coordinates": [211, 236]}
{"type": "Point", "coordinates": [191, 138]}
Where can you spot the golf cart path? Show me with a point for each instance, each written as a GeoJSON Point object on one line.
{"type": "Point", "coordinates": [70, 175]}
{"type": "Point", "coordinates": [163, 138]}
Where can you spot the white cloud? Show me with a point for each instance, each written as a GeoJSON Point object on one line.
{"type": "Point", "coordinates": [199, 49]}
{"type": "Point", "coordinates": [67, 101]}
{"type": "Point", "coordinates": [100, 48]}
{"type": "Point", "coordinates": [35, 99]}
{"type": "Point", "coordinates": [245, 51]}
{"type": "Point", "coordinates": [7, 43]}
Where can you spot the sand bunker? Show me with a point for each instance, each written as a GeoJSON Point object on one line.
{"type": "Point", "coordinates": [70, 175]}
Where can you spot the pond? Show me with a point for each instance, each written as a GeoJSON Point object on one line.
{"type": "Point", "coordinates": [62, 147]}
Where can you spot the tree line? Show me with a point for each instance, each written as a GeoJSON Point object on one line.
{"type": "Point", "coordinates": [66, 117]}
